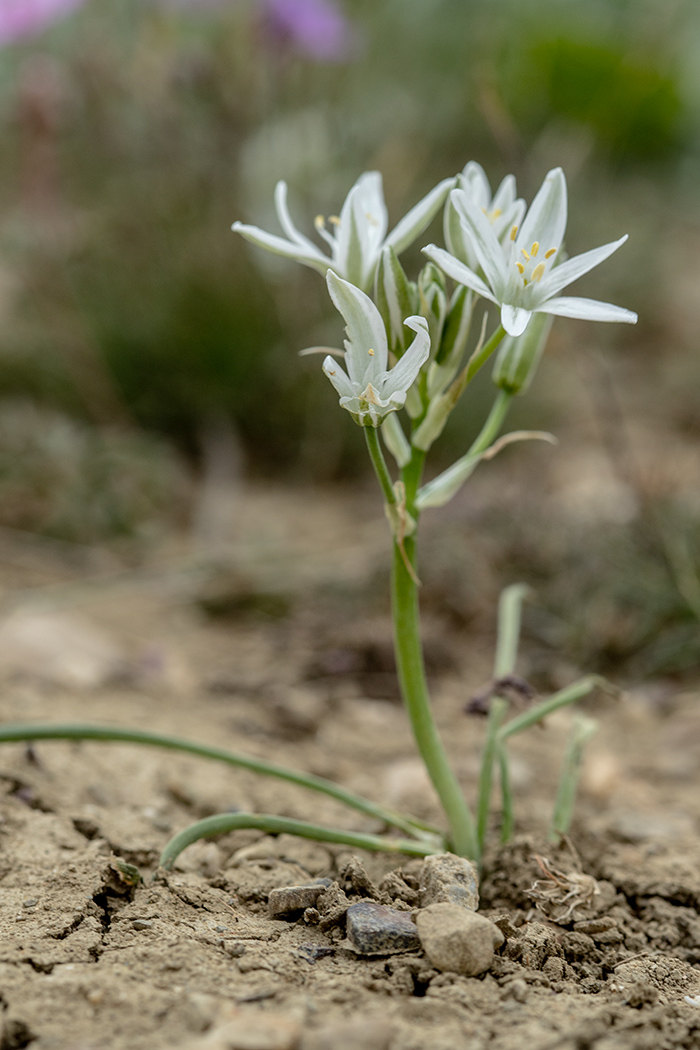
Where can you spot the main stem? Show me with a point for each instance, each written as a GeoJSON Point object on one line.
{"type": "Point", "coordinates": [413, 683]}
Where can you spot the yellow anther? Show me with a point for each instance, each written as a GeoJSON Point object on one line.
{"type": "Point", "coordinates": [496, 213]}
{"type": "Point", "coordinates": [334, 220]}
{"type": "Point", "coordinates": [538, 271]}
{"type": "Point", "coordinates": [370, 352]}
{"type": "Point", "coordinates": [550, 253]}
{"type": "Point", "coordinates": [521, 268]}
{"type": "Point", "coordinates": [526, 254]}
{"type": "Point", "coordinates": [319, 222]}
{"type": "Point", "coordinates": [513, 233]}
{"type": "Point", "coordinates": [535, 248]}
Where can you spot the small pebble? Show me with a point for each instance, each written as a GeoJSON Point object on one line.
{"type": "Point", "coordinates": [377, 929]}
{"type": "Point", "coordinates": [142, 924]}
{"type": "Point", "coordinates": [31, 903]}
{"type": "Point", "coordinates": [457, 940]}
{"type": "Point", "coordinates": [446, 878]}
{"type": "Point", "coordinates": [286, 900]}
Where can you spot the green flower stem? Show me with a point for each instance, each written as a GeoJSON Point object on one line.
{"type": "Point", "coordinates": [414, 689]}
{"type": "Point", "coordinates": [481, 356]}
{"type": "Point", "coordinates": [509, 616]}
{"type": "Point", "coordinates": [224, 822]}
{"type": "Point", "coordinates": [490, 430]}
{"type": "Point", "coordinates": [379, 463]}
{"type": "Point", "coordinates": [15, 733]}
{"type": "Point", "coordinates": [569, 695]}
{"type": "Point", "coordinates": [583, 729]}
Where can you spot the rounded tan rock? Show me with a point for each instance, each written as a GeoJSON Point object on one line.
{"type": "Point", "coordinates": [457, 940]}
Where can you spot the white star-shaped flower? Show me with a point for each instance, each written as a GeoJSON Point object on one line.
{"type": "Point", "coordinates": [502, 209]}
{"type": "Point", "coordinates": [368, 389]}
{"type": "Point", "coordinates": [520, 274]}
{"type": "Point", "coordinates": [356, 236]}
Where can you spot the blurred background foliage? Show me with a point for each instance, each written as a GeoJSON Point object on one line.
{"type": "Point", "coordinates": [135, 131]}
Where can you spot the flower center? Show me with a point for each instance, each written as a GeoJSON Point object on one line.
{"type": "Point", "coordinates": [529, 269]}
{"type": "Point", "coordinates": [369, 395]}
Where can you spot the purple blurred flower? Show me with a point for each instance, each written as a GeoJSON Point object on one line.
{"type": "Point", "coordinates": [21, 18]}
{"type": "Point", "coordinates": [316, 27]}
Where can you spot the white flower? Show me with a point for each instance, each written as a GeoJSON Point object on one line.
{"type": "Point", "coordinates": [368, 390]}
{"type": "Point", "coordinates": [502, 210]}
{"type": "Point", "coordinates": [355, 237]}
{"type": "Point", "coordinates": [520, 274]}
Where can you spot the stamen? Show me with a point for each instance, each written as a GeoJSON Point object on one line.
{"type": "Point", "coordinates": [496, 213]}
{"type": "Point", "coordinates": [370, 352]}
{"type": "Point", "coordinates": [513, 233]}
{"type": "Point", "coordinates": [526, 254]}
{"type": "Point", "coordinates": [550, 253]}
{"type": "Point", "coordinates": [538, 271]}
{"type": "Point", "coordinates": [521, 268]}
{"type": "Point", "coordinates": [535, 248]}
{"type": "Point", "coordinates": [319, 222]}
{"type": "Point", "coordinates": [371, 219]}
{"type": "Point", "coordinates": [334, 220]}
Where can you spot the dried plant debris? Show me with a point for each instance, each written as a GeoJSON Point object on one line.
{"type": "Point", "coordinates": [564, 896]}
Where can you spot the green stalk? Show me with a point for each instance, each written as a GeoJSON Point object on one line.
{"type": "Point", "coordinates": [408, 648]}
{"type": "Point", "coordinates": [509, 616]}
{"type": "Point", "coordinates": [569, 695]}
{"type": "Point", "coordinates": [481, 356]}
{"type": "Point", "coordinates": [70, 731]}
{"type": "Point", "coordinates": [224, 822]}
{"type": "Point", "coordinates": [508, 818]}
{"type": "Point", "coordinates": [497, 712]}
{"type": "Point", "coordinates": [490, 430]}
{"type": "Point", "coordinates": [379, 463]}
{"type": "Point", "coordinates": [583, 729]}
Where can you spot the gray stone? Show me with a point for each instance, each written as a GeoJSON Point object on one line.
{"type": "Point", "coordinates": [377, 929]}
{"type": "Point", "coordinates": [448, 879]}
{"type": "Point", "coordinates": [457, 940]}
{"type": "Point", "coordinates": [142, 924]}
{"type": "Point", "coordinates": [290, 899]}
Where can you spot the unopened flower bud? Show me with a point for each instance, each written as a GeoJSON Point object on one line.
{"type": "Point", "coordinates": [518, 358]}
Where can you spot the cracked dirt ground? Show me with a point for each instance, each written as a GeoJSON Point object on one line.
{"type": "Point", "coordinates": [89, 959]}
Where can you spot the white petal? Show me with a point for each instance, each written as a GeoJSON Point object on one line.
{"type": "Point", "coordinates": [404, 372]}
{"type": "Point", "coordinates": [545, 221]}
{"type": "Point", "coordinates": [309, 256]}
{"type": "Point", "coordinates": [365, 331]}
{"type": "Point", "coordinates": [586, 310]}
{"type": "Point", "coordinates": [457, 271]}
{"type": "Point", "coordinates": [486, 244]}
{"type": "Point", "coordinates": [362, 227]}
{"type": "Point", "coordinates": [504, 197]}
{"type": "Point", "coordinates": [571, 269]}
{"type": "Point", "coordinates": [286, 221]}
{"type": "Point", "coordinates": [419, 217]}
{"type": "Point", "coordinates": [338, 378]}
{"type": "Point", "coordinates": [475, 184]}
{"type": "Point", "coordinates": [514, 319]}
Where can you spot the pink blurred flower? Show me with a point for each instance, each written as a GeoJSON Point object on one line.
{"type": "Point", "coordinates": [22, 18]}
{"type": "Point", "coordinates": [316, 27]}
